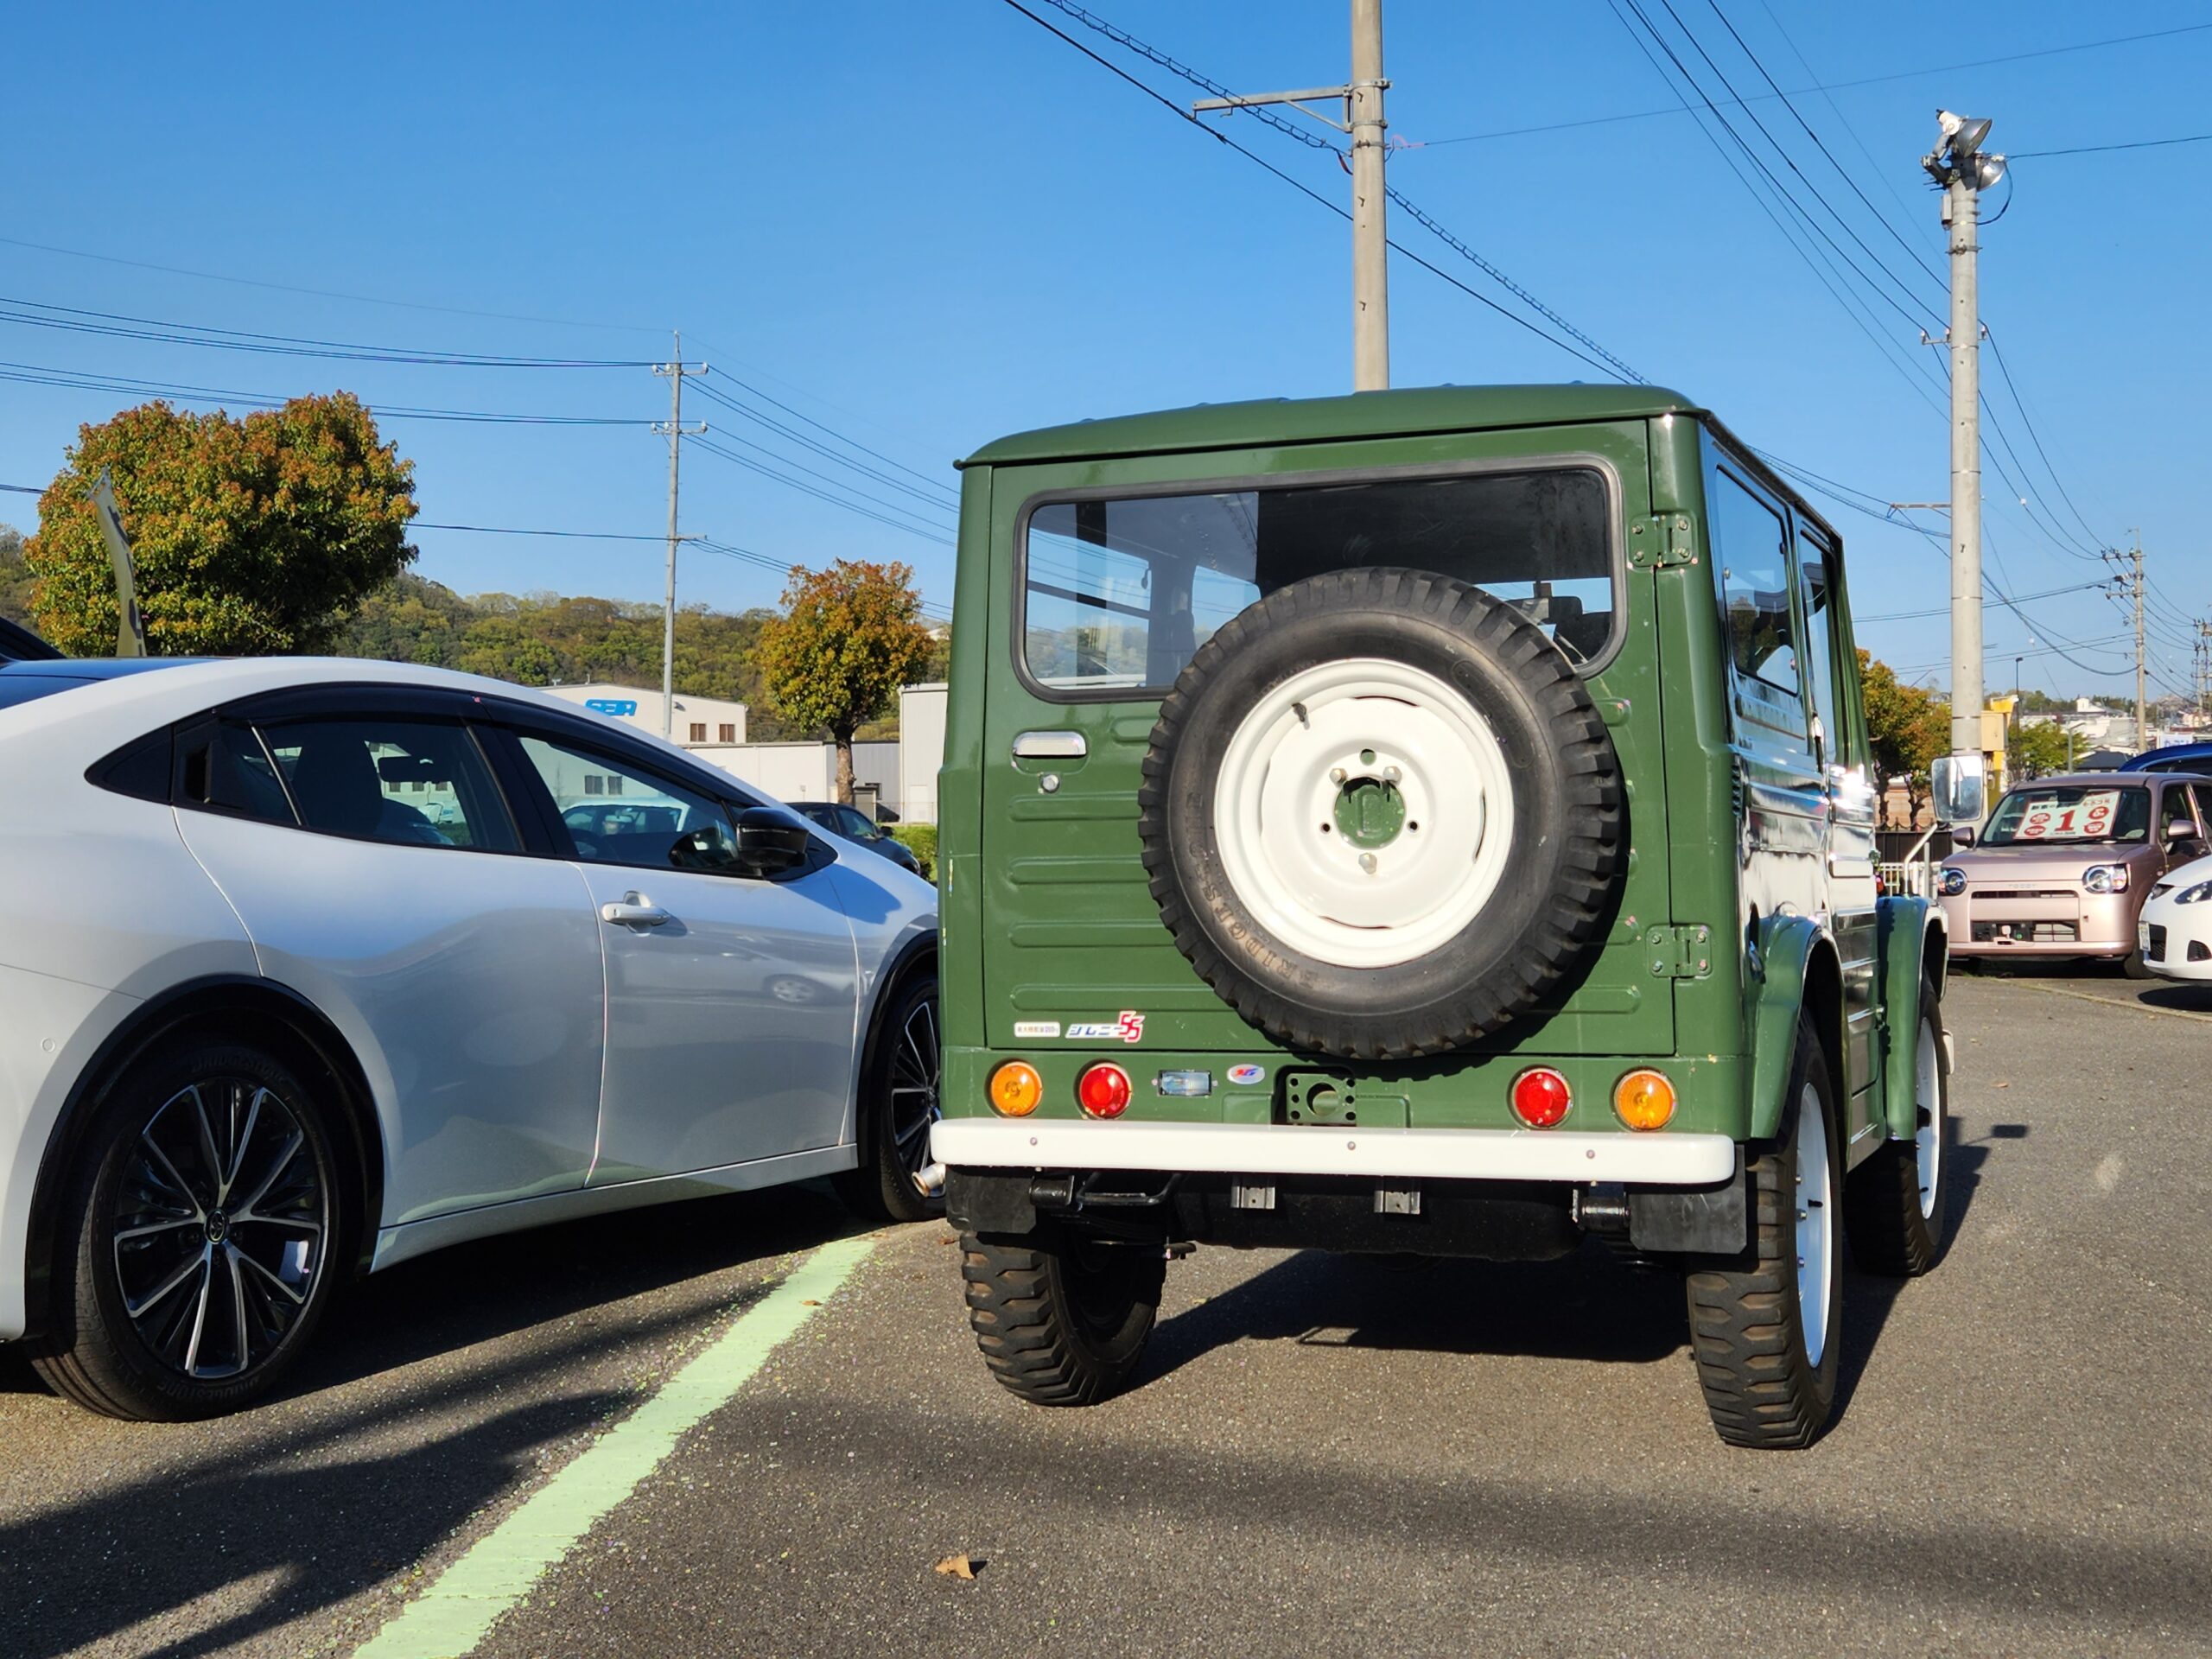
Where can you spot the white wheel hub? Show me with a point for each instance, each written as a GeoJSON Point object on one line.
{"type": "Point", "coordinates": [1816, 1224]}
{"type": "Point", "coordinates": [1363, 811]}
{"type": "Point", "coordinates": [1928, 1137]}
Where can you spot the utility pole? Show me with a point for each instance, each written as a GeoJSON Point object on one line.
{"type": "Point", "coordinates": [2129, 582]}
{"type": "Point", "coordinates": [675, 371]}
{"type": "Point", "coordinates": [1363, 122]}
{"type": "Point", "coordinates": [1958, 165]}
{"type": "Point", "coordinates": [2203, 669]}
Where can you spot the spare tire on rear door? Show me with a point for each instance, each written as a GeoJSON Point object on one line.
{"type": "Point", "coordinates": [1381, 816]}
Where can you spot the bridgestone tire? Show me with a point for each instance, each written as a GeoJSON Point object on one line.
{"type": "Point", "coordinates": [93, 1351]}
{"type": "Point", "coordinates": [1061, 1319]}
{"type": "Point", "coordinates": [1748, 1330]}
{"type": "Point", "coordinates": [1882, 1201]}
{"type": "Point", "coordinates": [1498, 677]}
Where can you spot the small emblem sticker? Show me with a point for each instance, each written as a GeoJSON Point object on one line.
{"type": "Point", "coordinates": [1036, 1028]}
{"type": "Point", "coordinates": [1128, 1028]}
{"type": "Point", "coordinates": [1246, 1074]}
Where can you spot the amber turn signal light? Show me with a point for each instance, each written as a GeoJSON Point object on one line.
{"type": "Point", "coordinates": [1016, 1089]}
{"type": "Point", "coordinates": [1643, 1100]}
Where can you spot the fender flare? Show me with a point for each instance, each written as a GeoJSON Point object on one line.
{"type": "Point", "coordinates": [208, 1003]}
{"type": "Point", "coordinates": [1908, 931]}
{"type": "Point", "coordinates": [1795, 952]}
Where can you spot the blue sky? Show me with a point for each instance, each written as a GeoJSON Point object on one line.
{"type": "Point", "coordinates": [923, 225]}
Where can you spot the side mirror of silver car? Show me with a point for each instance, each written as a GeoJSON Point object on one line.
{"type": "Point", "coordinates": [1955, 782]}
{"type": "Point", "coordinates": [770, 840]}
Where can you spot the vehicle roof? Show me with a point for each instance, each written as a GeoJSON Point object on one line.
{"type": "Point", "coordinates": [2167, 756]}
{"type": "Point", "coordinates": [1359, 415]}
{"type": "Point", "coordinates": [2112, 780]}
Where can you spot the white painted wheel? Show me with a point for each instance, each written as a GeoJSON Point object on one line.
{"type": "Point", "coordinates": [1363, 812]}
{"type": "Point", "coordinates": [1928, 1096]}
{"type": "Point", "coordinates": [1816, 1219]}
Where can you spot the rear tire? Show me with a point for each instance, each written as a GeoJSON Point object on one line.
{"type": "Point", "coordinates": [197, 1237]}
{"type": "Point", "coordinates": [1895, 1202]}
{"type": "Point", "coordinates": [1062, 1319]}
{"type": "Point", "coordinates": [1765, 1330]}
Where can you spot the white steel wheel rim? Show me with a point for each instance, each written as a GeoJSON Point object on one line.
{"type": "Point", "coordinates": [1816, 1224]}
{"type": "Point", "coordinates": [1277, 795]}
{"type": "Point", "coordinates": [1928, 1135]}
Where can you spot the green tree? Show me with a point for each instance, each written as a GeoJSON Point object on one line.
{"type": "Point", "coordinates": [2039, 750]}
{"type": "Point", "coordinates": [1906, 727]}
{"type": "Point", "coordinates": [849, 637]}
{"type": "Point", "coordinates": [250, 537]}
{"type": "Point", "coordinates": [17, 585]}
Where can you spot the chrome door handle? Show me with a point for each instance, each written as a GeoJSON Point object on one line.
{"type": "Point", "coordinates": [634, 910]}
{"type": "Point", "coordinates": [1050, 746]}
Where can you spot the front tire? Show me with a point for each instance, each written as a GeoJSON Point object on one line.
{"type": "Point", "coordinates": [197, 1236]}
{"type": "Point", "coordinates": [1062, 1319]}
{"type": "Point", "coordinates": [1895, 1202]}
{"type": "Point", "coordinates": [1765, 1330]}
{"type": "Point", "coordinates": [897, 1180]}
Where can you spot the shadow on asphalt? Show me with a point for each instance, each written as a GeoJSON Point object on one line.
{"type": "Point", "coordinates": [477, 1293]}
{"type": "Point", "coordinates": [223, 1505]}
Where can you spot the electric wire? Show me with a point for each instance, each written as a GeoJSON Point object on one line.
{"type": "Point", "coordinates": [36, 374]}
{"type": "Point", "coordinates": [936, 503]}
{"type": "Point", "coordinates": [925, 532]}
{"type": "Point", "coordinates": [77, 320]}
{"type": "Point", "coordinates": [2099, 149]}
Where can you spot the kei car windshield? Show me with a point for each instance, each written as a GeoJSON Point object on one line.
{"type": "Point", "coordinates": [2069, 812]}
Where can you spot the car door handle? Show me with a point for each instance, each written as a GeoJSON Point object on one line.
{"type": "Point", "coordinates": [634, 910]}
{"type": "Point", "coordinates": [1050, 746]}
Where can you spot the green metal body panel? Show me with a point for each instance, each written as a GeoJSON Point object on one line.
{"type": "Point", "coordinates": [1048, 919]}
{"type": "Point", "coordinates": [1912, 943]}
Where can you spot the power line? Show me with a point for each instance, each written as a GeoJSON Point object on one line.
{"type": "Point", "coordinates": [77, 320]}
{"type": "Point", "coordinates": [506, 530]}
{"type": "Point", "coordinates": [937, 484]}
{"type": "Point", "coordinates": [324, 293]}
{"type": "Point", "coordinates": [1221, 137]}
{"type": "Point", "coordinates": [1828, 87]}
{"type": "Point", "coordinates": [927, 532]}
{"type": "Point", "coordinates": [36, 374]}
{"type": "Point", "coordinates": [938, 503]}
{"type": "Point", "coordinates": [2099, 149]}
{"type": "Point", "coordinates": [1945, 610]}
{"type": "Point", "coordinates": [22, 489]}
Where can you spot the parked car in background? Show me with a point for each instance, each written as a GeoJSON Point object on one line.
{"type": "Point", "coordinates": [309, 967]}
{"type": "Point", "coordinates": [850, 823]}
{"type": "Point", "coordinates": [2179, 757]}
{"type": "Point", "coordinates": [2063, 865]}
{"type": "Point", "coordinates": [2175, 930]}
{"type": "Point", "coordinates": [19, 644]}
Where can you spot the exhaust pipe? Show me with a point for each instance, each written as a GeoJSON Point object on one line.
{"type": "Point", "coordinates": [929, 1180]}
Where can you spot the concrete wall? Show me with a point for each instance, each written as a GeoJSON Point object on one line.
{"type": "Point", "coordinates": [639, 707]}
{"type": "Point", "coordinates": [921, 740]}
{"type": "Point", "coordinates": [807, 772]}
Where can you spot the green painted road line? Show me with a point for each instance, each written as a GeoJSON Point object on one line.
{"type": "Point", "coordinates": [450, 1619]}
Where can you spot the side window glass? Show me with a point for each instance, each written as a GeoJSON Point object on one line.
{"type": "Point", "coordinates": [1820, 645]}
{"type": "Point", "coordinates": [412, 782]}
{"type": "Point", "coordinates": [222, 765]}
{"type": "Point", "coordinates": [2175, 812]}
{"type": "Point", "coordinates": [2203, 793]}
{"type": "Point", "coordinates": [1755, 585]}
{"type": "Point", "coordinates": [856, 824]}
{"type": "Point", "coordinates": [616, 813]}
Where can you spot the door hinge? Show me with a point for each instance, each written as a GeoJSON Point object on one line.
{"type": "Point", "coordinates": [1684, 951]}
{"type": "Point", "coordinates": [1662, 541]}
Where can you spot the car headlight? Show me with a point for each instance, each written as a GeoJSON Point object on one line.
{"type": "Point", "coordinates": [1953, 882]}
{"type": "Point", "coordinates": [2193, 895]}
{"type": "Point", "coordinates": [2105, 878]}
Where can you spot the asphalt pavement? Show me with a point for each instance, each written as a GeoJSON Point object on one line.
{"type": "Point", "coordinates": [1322, 1456]}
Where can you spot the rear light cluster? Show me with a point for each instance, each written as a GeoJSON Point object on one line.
{"type": "Point", "coordinates": [1542, 1098]}
{"type": "Point", "coordinates": [1102, 1090]}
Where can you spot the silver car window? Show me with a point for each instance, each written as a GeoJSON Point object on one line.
{"type": "Point", "coordinates": [416, 783]}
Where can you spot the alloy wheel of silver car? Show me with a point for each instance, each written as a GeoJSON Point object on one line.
{"type": "Point", "coordinates": [221, 1223]}
{"type": "Point", "coordinates": [915, 1106]}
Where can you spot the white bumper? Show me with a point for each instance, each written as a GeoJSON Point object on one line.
{"type": "Point", "coordinates": [1658, 1159]}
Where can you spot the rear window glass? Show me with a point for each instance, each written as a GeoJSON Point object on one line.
{"type": "Point", "coordinates": [1117, 594]}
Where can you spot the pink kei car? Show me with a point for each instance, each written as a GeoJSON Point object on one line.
{"type": "Point", "coordinates": [2063, 864]}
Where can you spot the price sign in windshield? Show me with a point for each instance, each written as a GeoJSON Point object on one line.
{"type": "Point", "coordinates": [2088, 818]}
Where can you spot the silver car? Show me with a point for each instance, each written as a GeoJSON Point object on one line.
{"type": "Point", "coordinates": [308, 967]}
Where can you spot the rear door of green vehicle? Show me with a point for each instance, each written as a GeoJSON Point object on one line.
{"type": "Point", "coordinates": [1107, 576]}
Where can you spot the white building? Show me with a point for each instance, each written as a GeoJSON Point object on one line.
{"type": "Point", "coordinates": [921, 750]}
{"type": "Point", "coordinates": [702, 723]}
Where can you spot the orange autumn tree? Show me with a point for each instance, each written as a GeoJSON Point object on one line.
{"type": "Point", "coordinates": [849, 637]}
{"type": "Point", "coordinates": [248, 537]}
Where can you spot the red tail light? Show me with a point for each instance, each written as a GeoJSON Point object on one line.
{"type": "Point", "coordinates": [1103, 1089]}
{"type": "Point", "coordinates": [1540, 1097]}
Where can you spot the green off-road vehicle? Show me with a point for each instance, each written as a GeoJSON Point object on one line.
{"type": "Point", "coordinates": [1432, 822]}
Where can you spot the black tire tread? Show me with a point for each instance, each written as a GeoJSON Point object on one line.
{"type": "Point", "coordinates": [1760, 1390]}
{"type": "Point", "coordinates": [878, 1189]}
{"type": "Point", "coordinates": [1025, 1332]}
{"type": "Point", "coordinates": [1881, 1197]}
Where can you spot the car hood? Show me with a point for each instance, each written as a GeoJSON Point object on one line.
{"type": "Point", "coordinates": [2048, 863]}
